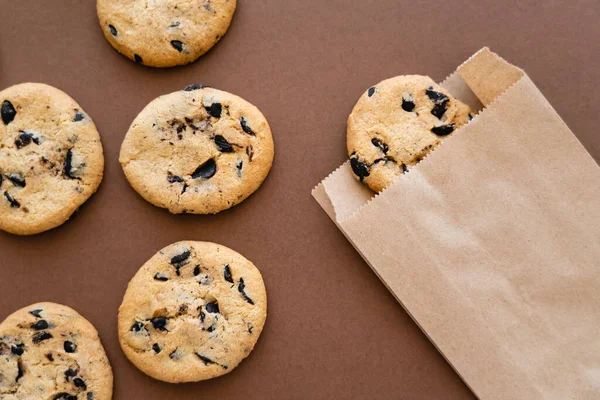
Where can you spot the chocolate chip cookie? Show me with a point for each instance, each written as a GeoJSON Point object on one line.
{"type": "Point", "coordinates": [396, 123]}
{"type": "Point", "coordinates": [49, 351]}
{"type": "Point", "coordinates": [194, 311]}
{"type": "Point", "coordinates": [51, 158]}
{"type": "Point", "coordinates": [164, 33]}
{"type": "Point", "coordinates": [199, 151]}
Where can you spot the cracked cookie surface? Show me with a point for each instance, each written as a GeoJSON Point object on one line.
{"type": "Point", "coordinates": [51, 158]}
{"type": "Point", "coordinates": [192, 312]}
{"type": "Point", "coordinates": [396, 123]}
{"type": "Point", "coordinates": [164, 33]}
{"type": "Point", "coordinates": [49, 351]}
{"type": "Point", "coordinates": [198, 151]}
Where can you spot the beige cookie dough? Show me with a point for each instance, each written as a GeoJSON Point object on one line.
{"type": "Point", "coordinates": [51, 158]}
{"type": "Point", "coordinates": [396, 123]}
{"type": "Point", "coordinates": [49, 351]}
{"type": "Point", "coordinates": [164, 33]}
{"type": "Point", "coordinates": [193, 311]}
{"type": "Point", "coordinates": [199, 151]}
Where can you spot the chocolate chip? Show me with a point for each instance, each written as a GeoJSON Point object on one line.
{"type": "Point", "coordinates": [179, 259]}
{"type": "Point", "coordinates": [206, 170]}
{"type": "Point", "coordinates": [64, 396]}
{"type": "Point", "coordinates": [250, 152]}
{"type": "Point", "coordinates": [195, 86]}
{"type": "Point", "coordinates": [70, 373]}
{"type": "Point", "coordinates": [212, 308]}
{"type": "Point", "coordinates": [241, 289]}
{"type": "Point", "coordinates": [440, 101]}
{"type": "Point", "coordinates": [404, 168]}
{"type": "Point", "coordinates": [359, 168]}
{"type": "Point", "coordinates": [215, 110]}
{"type": "Point", "coordinates": [208, 361]}
{"type": "Point", "coordinates": [174, 25]}
{"type": "Point", "coordinates": [371, 91]}
{"type": "Point", "coordinates": [159, 323]}
{"type": "Point", "coordinates": [202, 316]}
{"type": "Point", "coordinates": [90, 396]}
{"type": "Point", "coordinates": [408, 105]}
{"type": "Point", "coordinates": [439, 109]}
{"type": "Point", "coordinates": [138, 326]}
{"type": "Point", "coordinates": [13, 202]}
{"type": "Point", "coordinates": [178, 45]}
{"type": "Point", "coordinates": [382, 146]}
{"type": "Point", "coordinates": [25, 138]}
{"type": "Point", "coordinates": [245, 126]}
{"type": "Point", "coordinates": [17, 180]}
{"type": "Point", "coordinates": [78, 116]}
{"type": "Point", "coordinates": [174, 355]}
{"type": "Point", "coordinates": [68, 165]}
{"type": "Point", "coordinates": [443, 130]}
{"type": "Point", "coordinates": [223, 144]}
{"type": "Point", "coordinates": [17, 349]}
{"type": "Point", "coordinates": [156, 348]}
{"type": "Point", "coordinates": [8, 112]}
{"type": "Point", "coordinates": [250, 328]}
{"type": "Point", "coordinates": [160, 277]}
{"type": "Point", "coordinates": [40, 325]}
{"type": "Point", "coordinates": [40, 337]}
{"type": "Point", "coordinates": [113, 30]}
{"type": "Point", "coordinates": [470, 116]}
{"type": "Point", "coordinates": [36, 313]}
{"type": "Point", "coordinates": [211, 328]}
{"type": "Point", "coordinates": [196, 270]}
{"type": "Point", "coordinates": [174, 178]}
{"type": "Point", "coordinates": [70, 347]}
{"type": "Point", "coordinates": [78, 382]}
{"type": "Point", "coordinates": [227, 274]}
{"type": "Point", "coordinates": [50, 357]}
{"type": "Point", "coordinates": [138, 59]}
{"type": "Point", "coordinates": [238, 166]}
{"type": "Point", "coordinates": [20, 371]}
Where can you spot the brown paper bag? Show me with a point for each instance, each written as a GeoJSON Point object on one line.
{"type": "Point", "coordinates": [492, 242]}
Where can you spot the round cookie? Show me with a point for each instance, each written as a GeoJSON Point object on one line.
{"type": "Point", "coordinates": [51, 158]}
{"type": "Point", "coordinates": [396, 123]}
{"type": "Point", "coordinates": [49, 351]}
{"type": "Point", "coordinates": [193, 311]}
{"type": "Point", "coordinates": [164, 33]}
{"type": "Point", "coordinates": [199, 151]}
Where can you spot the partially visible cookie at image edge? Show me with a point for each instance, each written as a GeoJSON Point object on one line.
{"type": "Point", "coordinates": [164, 33]}
{"type": "Point", "coordinates": [396, 123]}
{"type": "Point", "coordinates": [51, 158]}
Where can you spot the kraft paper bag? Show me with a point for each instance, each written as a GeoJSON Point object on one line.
{"type": "Point", "coordinates": [492, 242]}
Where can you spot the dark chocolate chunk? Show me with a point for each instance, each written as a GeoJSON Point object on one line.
{"type": "Point", "coordinates": [223, 144]}
{"type": "Point", "coordinates": [359, 168]}
{"type": "Point", "coordinates": [18, 349]}
{"type": "Point", "coordinates": [212, 308]}
{"type": "Point", "coordinates": [439, 109]}
{"type": "Point", "coordinates": [8, 112]}
{"type": "Point", "coordinates": [13, 202]}
{"type": "Point", "coordinates": [78, 382]}
{"type": "Point", "coordinates": [174, 355]}
{"type": "Point", "coordinates": [70, 347]}
{"type": "Point", "coordinates": [68, 165]}
{"type": "Point", "coordinates": [50, 357]}
{"type": "Point", "coordinates": [371, 91]}
{"type": "Point", "coordinates": [241, 289]}
{"type": "Point", "coordinates": [90, 396]}
{"type": "Point", "coordinates": [195, 86]}
{"type": "Point", "coordinates": [20, 371]}
{"type": "Point", "coordinates": [443, 130]}
{"type": "Point", "coordinates": [208, 361]}
{"type": "Point", "coordinates": [174, 178]}
{"type": "Point", "coordinates": [25, 138]}
{"type": "Point", "coordinates": [160, 277]}
{"type": "Point", "coordinates": [40, 325]}
{"type": "Point", "coordinates": [250, 328]}
{"type": "Point", "coordinates": [245, 126]}
{"type": "Point", "coordinates": [40, 337]}
{"type": "Point", "coordinates": [382, 146]}
{"type": "Point", "coordinates": [206, 170]}
{"type": "Point", "coordinates": [17, 180]}
{"type": "Point", "coordinates": [156, 347]}
{"type": "Point", "coordinates": [113, 30]}
{"type": "Point", "coordinates": [202, 316]}
{"type": "Point", "coordinates": [196, 270]}
{"type": "Point", "coordinates": [470, 116]}
{"type": "Point", "coordinates": [250, 152]}
{"type": "Point", "coordinates": [227, 274]}
{"type": "Point", "coordinates": [159, 323]}
{"type": "Point", "coordinates": [70, 373]}
{"type": "Point", "coordinates": [408, 105]}
{"type": "Point", "coordinates": [440, 102]}
{"type": "Point", "coordinates": [138, 326]}
{"type": "Point", "coordinates": [64, 396]}
{"type": "Point", "coordinates": [179, 259]}
{"type": "Point", "coordinates": [177, 44]}
{"type": "Point", "coordinates": [138, 59]}
{"type": "Point", "coordinates": [238, 166]}
{"type": "Point", "coordinates": [36, 313]}
{"type": "Point", "coordinates": [78, 116]}
{"type": "Point", "coordinates": [211, 328]}
{"type": "Point", "coordinates": [215, 110]}
{"type": "Point", "coordinates": [404, 168]}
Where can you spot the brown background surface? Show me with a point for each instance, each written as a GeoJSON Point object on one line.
{"type": "Point", "coordinates": [333, 330]}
